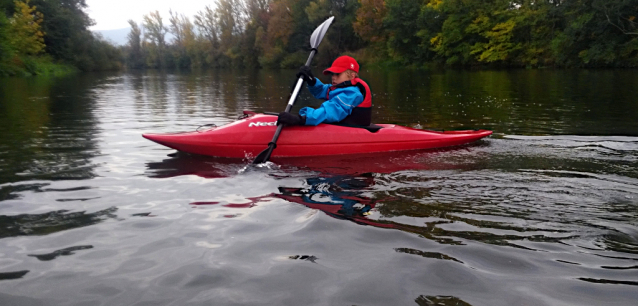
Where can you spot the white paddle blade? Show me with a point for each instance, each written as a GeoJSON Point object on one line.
{"type": "Point", "coordinates": [320, 31]}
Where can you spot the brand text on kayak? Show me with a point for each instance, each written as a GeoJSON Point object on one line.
{"type": "Point", "coordinates": [262, 124]}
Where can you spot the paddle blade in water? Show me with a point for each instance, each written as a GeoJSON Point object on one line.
{"type": "Point", "coordinates": [264, 155]}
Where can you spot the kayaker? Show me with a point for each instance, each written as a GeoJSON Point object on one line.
{"type": "Point", "coordinates": [348, 98]}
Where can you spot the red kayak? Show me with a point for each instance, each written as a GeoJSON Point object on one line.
{"type": "Point", "coordinates": [250, 135]}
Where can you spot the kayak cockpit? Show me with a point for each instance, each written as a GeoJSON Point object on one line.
{"type": "Point", "coordinates": [372, 128]}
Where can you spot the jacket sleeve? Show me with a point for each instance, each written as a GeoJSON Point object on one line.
{"type": "Point", "coordinates": [335, 109]}
{"type": "Point", "coordinates": [319, 90]}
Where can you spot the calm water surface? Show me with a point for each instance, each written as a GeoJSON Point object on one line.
{"type": "Point", "coordinates": [544, 212]}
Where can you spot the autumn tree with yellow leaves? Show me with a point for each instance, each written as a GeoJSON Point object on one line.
{"type": "Point", "coordinates": [26, 34]}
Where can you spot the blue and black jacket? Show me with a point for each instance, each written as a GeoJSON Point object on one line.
{"type": "Point", "coordinates": [348, 103]}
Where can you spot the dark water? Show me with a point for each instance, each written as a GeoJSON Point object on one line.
{"type": "Point", "coordinates": [545, 212]}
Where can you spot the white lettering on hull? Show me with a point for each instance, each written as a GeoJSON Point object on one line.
{"type": "Point", "coordinates": [274, 123]}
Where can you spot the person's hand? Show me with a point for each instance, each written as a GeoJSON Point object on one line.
{"type": "Point", "coordinates": [288, 119]}
{"type": "Point", "coordinates": [307, 76]}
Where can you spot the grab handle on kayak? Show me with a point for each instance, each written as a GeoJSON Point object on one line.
{"type": "Point", "coordinates": [205, 125]}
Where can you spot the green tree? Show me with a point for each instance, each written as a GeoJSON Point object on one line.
{"type": "Point", "coordinates": [206, 24]}
{"type": "Point", "coordinates": [155, 33]}
{"type": "Point", "coordinates": [286, 40]}
{"type": "Point", "coordinates": [407, 23]}
{"type": "Point", "coordinates": [537, 25]}
{"type": "Point", "coordinates": [6, 52]}
{"type": "Point", "coordinates": [475, 31]}
{"type": "Point", "coordinates": [184, 39]}
{"type": "Point", "coordinates": [497, 29]}
{"type": "Point", "coordinates": [135, 57]}
{"type": "Point", "coordinates": [369, 20]}
{"type": "Point", "coordinates": [257, 11]}
{"type": "Point", "coordinates": [231, 20]}
{"type": "Point", "coordinates": [621, 14]}
{"type": "Point", "coordinates": [257, 21]}
{"type": "Point", "coordinates": [614, 34]}
{"type": "Point", "coordinates": [97, 54]}
{"type": "Point", "coordinates": [596, 34]}
{"type": "Point", "coordinates": [274, 39]}
{"type": "Point", "coordinates": [341, 36]}
{"type": "Point", "coordinates": [26, 36]}
{"type": "Point", "coordinates": [7, 7]}
{"type": "Point", "coordinates": [65, 26]}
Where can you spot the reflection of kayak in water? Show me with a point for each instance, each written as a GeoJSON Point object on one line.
{"type": "Point", "coordinates": [251, 135]}
{"type": "Point", "coordinates": [388, 162]}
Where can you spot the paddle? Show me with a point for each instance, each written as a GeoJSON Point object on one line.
{"type": "Point", "coordinates": [315, 40]}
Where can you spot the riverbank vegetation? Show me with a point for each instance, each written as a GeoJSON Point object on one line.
{"type": "Point", "coordinates": [51, 37]}
{"type": "Point", "coordinates": [503, 33]}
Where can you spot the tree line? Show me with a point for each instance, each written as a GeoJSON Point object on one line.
{"type": "Point", "coordinates": [275, 33]}
{"type": "Point", "coordinates": [44, 36]}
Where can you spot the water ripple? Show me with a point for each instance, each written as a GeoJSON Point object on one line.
{"type": "Point", "coordinates": [95, 214]}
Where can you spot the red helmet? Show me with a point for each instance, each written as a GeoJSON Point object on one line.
{"type": "Point", "coordinates": [341, 64]}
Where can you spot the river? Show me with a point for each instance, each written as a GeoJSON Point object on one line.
{"type": "Point", "coordinates": [543, 212]}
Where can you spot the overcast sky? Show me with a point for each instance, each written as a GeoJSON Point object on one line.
{"type": "Point", "coordinates": [114, 14]}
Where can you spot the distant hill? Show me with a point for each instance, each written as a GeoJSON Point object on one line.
{"type": "Point", "coordinates": [117, 36]}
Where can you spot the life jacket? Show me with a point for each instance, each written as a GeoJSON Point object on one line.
{"type": "Point", "coordinates": [362, 114]}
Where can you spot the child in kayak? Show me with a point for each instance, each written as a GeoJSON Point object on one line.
{"type": "Point", "coordinates": [348, 98]}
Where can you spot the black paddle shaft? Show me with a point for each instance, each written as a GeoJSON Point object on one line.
{"type": "Point", "coordinates": [265, 155]}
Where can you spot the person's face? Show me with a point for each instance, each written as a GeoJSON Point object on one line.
{"type": "Point", "coordinates": [338, 78]}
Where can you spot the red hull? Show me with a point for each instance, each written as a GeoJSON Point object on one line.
{"type": "Point", "coordinates": [249, 136]}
